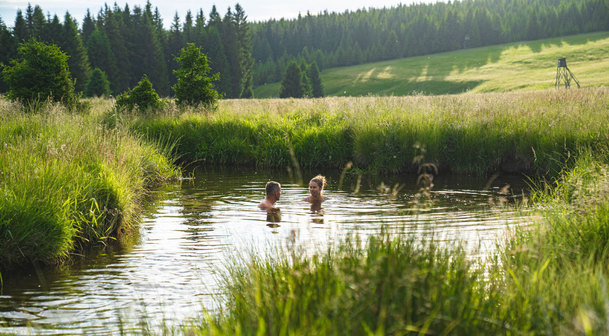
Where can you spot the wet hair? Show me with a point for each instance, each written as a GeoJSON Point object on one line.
{"type": "Point", "coordinates": [320, 180]}
{"type": "Point", "coordinates": [271, 187]}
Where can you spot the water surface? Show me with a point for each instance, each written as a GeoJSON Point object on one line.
{"type": "Point", "coordinates": [169, 269]}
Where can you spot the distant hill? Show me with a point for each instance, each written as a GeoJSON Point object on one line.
{"type": "Point", "coordinates": [508, 67]}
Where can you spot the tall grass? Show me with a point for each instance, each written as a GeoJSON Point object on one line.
{"type": "Point", "coordinates": [556, 269]}
{"type": "Point", "coordinates": [384, 286]}
{"type": "Point", "coordinates": [67, 183]}
{"type": "Point", "coordinates": [534, 132]}
{"type": "Point", "coordinates": [548, 278]}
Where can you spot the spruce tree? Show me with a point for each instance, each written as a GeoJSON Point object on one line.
{"type": "Point", "coordinates": [72, 45]}
{"type": "Point", "coordinates": [175, 42]}
{"type": "Point", "coordinates": [114, 29]}
{"type": "Point", "coordinates": [244, 47]}
{"type": "Point", "coordinates": [193, 85]}
{"type": "Point", "coordinates": [53, 31]}
{"type": "Point", "coordinates": [291, 85]}
{"type": "Point", "coordinates": [7, 52]}
{"type": "Point", "coordinates": [88, 26]}
{"type": "Point", "coordinates": [218, 61]}
{"type": "Point", "coordinates": [316, 85]}
{"type": "Point", "coordinates": [98, 84]}
{"type": "Point", "coordinates": [200, 32]}
{"type": "Point", "coordinates": [20, 28]}
{"type": "Point", "coordinates": [29, 20]}
{"type": "Point", "coordinates": [228, 32]}
{"type": "Point", "coordinates": [188, 28]}
{"type": "Point", "coordinates": [38, 25]}
{"type": "Point", "coordinates": [101, 56]}
{"type": "Point", "coordinates": [214, 17]}
{"type": "Point", "coordinates": [148, 56]}
{"type": "Point", "coordinates": [307, 90]}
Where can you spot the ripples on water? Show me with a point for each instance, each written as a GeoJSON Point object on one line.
{"type": "Point", "coordinates": [169, 272]}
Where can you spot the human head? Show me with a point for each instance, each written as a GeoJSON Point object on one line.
{"type": "Point", "coordinates": [320, 180]}
{"type": "Point", "coordinates": [316, 185]}
{"type": "Point", "coordinates": [273, 188]}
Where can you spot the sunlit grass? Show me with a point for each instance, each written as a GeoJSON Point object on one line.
{"type": "Point", "coordinates": [521, 66]}
{"type": "Point", "coordinates": [67, 183]}
{"type": "Point", "coordinates": [548, 278]}
{"type": "Point", "coordinates": [533, 132]}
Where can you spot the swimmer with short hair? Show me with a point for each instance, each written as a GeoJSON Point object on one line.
{"type": "Point", "coordinates": [273, 193]}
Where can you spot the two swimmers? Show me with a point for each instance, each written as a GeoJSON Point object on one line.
{"type": "Point", "coordinates": [316, 188]}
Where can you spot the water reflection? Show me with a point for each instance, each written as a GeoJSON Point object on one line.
{"type": "Point", "coordinates": [170, 267]}
{"type": "Point", "coordinates": [273, 216]}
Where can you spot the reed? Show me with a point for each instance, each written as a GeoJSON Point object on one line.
{"type": "Point", "coordinates": [556, 268]}
{"type": "Point", "coordinates": [383, 286]}
{"type": "Point", "coordinates": [66, 183]}
{"type": "Point", "coordinates": [532, 132]}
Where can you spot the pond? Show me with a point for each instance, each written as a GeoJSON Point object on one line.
{"type": "Point", "coordinates": [169, 268]}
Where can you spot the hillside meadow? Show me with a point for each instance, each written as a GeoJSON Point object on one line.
{"type": "Point", "coordinates": [521, 66]}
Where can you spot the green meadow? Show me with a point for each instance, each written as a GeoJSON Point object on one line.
{"type": "Point", "coordinates": [71, 180]}
{"type": "Point", "coordinates": [522, 66]}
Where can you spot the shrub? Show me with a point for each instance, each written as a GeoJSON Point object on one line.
{"type": "Point", "coordinates": [98, 84]}
{"type": "Point", "coordinates": [193, 85]}
{"type": "Point", "coordinates": [40, 73]}
{"type": "Point", "coordinates": [141, 97]}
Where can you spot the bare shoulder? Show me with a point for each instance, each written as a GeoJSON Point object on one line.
{"type": "Point", "coordinates": [264, 205]}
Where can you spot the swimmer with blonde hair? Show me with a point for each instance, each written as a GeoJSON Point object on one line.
{"type": "Point", "coordinates": [316, 188]}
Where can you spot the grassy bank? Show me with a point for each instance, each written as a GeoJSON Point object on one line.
{"type": "Point", "coordinates": [521, 66]}
{"type": "Point", "coordinates": [534, 132]}
{"type": "Point", "coordinates": [67, 183]}
{"type": "Point", "coordinates": [548, 278]}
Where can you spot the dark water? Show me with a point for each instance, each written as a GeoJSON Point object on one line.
{"type": "Point", "coordinates": [170, 268]}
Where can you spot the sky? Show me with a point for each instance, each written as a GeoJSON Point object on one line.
{"type": "Point", "coordinates": [256, 10]}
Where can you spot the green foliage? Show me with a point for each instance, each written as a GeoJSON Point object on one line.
{"type": "Point", "coordinates": [98, 84]}
{"type": "Point", "coordinates": [7, 52]}
{"type": "Point", "coordinates": [78, 60]}
{"type": "Point", "coordinates": [317, 89]}
{"type": "Point", "coordinates": [101, 55]}
{"type": "Point", "coordinates": [68, 184]}
{"type": "Point", "coordinates": [548, 278]}
{"type": "Point", "coordinates": [523, 66]}
{"type": "Point", "coordinates": [380, 34]}
{"type": "Point", "coordinates": [193, 85]}
{"type": "Point", "coordinates": [292, 84]}
{"type": "Point", "coordinates": [532, 132]}
{"type": "Point", "coordinates": [142, 97]}
{"type": "Point", "coordinates": [387, 286]}
{"type": "Point", "coordinates": [41, 73]}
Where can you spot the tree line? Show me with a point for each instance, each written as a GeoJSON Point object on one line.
{"type": "Point", "coordinates": [356, 37]}
{"type": "Point", "coordinates": [128, 43]}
